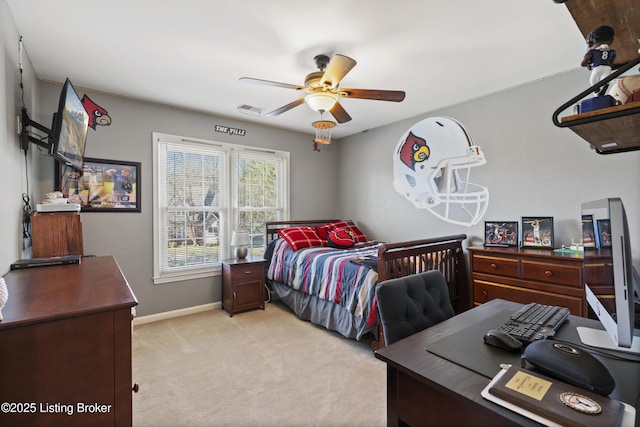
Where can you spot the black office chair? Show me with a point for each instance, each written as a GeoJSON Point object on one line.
{"type": "Point", "coordinates": [412, 303]}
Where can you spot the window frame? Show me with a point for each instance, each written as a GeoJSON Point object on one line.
{"type": "Point", "coordinates": [229, 207]}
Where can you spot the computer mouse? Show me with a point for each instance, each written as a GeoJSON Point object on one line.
{"type": "Point", "coordinates": [499, 339]}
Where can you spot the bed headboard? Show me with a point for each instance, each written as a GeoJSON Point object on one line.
{"type": "Point", "coordinates": [272, 227]}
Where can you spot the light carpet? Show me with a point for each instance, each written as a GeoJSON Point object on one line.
{"type": "Point", "coordinates": [257, 368]}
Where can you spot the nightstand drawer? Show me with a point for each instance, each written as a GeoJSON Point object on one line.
{"type": "Point", "coordinates": [552, 273]}
{"type": "Point", "coordinates": [247, 272]}
{"type": "Point", "coordinates": [495, 265]}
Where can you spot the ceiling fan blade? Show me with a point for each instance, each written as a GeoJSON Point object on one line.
{"type": "Point", "coordinates": [338, 67]}
{"type": "Point", "coordinates": [339, 113]}
{"type": "Point", "coordinates": [377, 95]}
{"type": "Point", "coordinates": [286, 108]}
{"type": "Point", "coordinates": [271, 83]}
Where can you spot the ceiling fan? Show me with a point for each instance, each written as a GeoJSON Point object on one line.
{"type": "Point", "coordinates": [322, 88]}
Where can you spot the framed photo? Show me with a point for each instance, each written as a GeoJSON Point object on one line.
{"type": "Point", "coordinates": [501, 233]}
{"type": "Point", "coordinates": [588, 232]}
{"type": "Point", "coordinates": [537, 232]}
{"type": "Point", "coordinates": [103, 185]}
{"type": "Point", "coordinates": [604, 233]}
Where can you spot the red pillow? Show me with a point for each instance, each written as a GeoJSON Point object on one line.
{"type": "Point", "coordinates": [323, 230]}
{"type": "Point", "coordinates": [341, 238]}
{"type": "Point", "coordinates": [301, 237]}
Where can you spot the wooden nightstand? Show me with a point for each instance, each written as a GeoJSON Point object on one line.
{"type": "Point", "coordinates": [242, 284]}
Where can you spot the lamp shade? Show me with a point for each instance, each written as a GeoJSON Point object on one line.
{"type": "Point", "coordinates": [320, 101]}
{"type": "Point", "coordinates": [240, 238]}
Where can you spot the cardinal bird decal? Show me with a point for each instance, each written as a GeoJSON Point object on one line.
{"type": "Point", "coordinates": [414, 150]}
{"type": "Point", "coordinates": [97, 114]}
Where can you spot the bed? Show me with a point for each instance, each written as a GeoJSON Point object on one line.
{"type": "Point", "coordinates": [335, 287]}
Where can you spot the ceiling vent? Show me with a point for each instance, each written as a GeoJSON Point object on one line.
{"type": "Point", "coordinates": [249, 110]}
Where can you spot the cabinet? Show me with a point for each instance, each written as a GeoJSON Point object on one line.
{"type": "Point", "coordinates": [535, 275]}
{"type": "Point", "coordinates": [66, 346]}
{"type": "Point", "coordinates": [56, 234]}
{"type": "Point", "coordinates": [242, 284]}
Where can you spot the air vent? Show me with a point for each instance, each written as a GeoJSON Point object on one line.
{"type": "Point", "coordinates": [249, 110]}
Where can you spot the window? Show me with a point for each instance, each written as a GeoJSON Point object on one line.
{"type": "Point", "coordinates": [203, 191]}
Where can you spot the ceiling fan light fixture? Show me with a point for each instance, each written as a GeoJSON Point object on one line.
{"type": "Point", "coordinates": [320, 101]}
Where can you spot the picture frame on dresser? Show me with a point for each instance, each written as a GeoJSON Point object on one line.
{"type": "Point", "coordinates": [501, 233]}
{"type": "Point", "coordinates": [537, 232]}
{"type": "Point", "coordinates": [604, 233]}
{"type": "Point", "coordinates": [589, 240]}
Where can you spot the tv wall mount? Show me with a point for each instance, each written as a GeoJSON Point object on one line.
{"type": "Point", "coordinates": [46, 141]}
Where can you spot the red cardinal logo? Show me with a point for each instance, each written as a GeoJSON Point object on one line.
{"type": "Point", "coordinates": [414, 150]}
{"type": "Point", "coordinates": [97, 114]}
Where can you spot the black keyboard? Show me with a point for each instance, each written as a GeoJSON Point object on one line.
{"type": "Point", "coordinates": [535, 322]}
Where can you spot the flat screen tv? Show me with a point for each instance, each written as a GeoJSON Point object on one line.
{"type": "Point", "coordinates": [69, 129]}
{"type": "Point", "coordinates": [611, 263]}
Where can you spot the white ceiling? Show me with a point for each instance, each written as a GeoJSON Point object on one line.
{"type": "Point", "coordinates": [191, 53]}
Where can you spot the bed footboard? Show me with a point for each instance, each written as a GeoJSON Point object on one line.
{"type": "Point", "coordinates": [440, 253]}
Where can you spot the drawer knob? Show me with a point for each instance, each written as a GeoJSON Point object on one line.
{"type": "Point", "coordinates": [548, 273]}
{"type": "Point", "coordinates": [493, 265]}
{"type": "Point", "coordinates": [485, 294]}
{"type": "Point", "coordinates": [247, 272]}
{"type": "Point", "coordinates": [135, 388]}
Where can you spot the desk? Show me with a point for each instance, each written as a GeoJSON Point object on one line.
{"type": "Point", "coordinates": [425, 389]}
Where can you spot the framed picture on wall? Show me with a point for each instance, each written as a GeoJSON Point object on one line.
{"type": "Point", "coordinates": [501, 233]}
{"type": "Point", "coordinates": [537, 232]}
{"type": "Point", "coordinates": [103, 185]}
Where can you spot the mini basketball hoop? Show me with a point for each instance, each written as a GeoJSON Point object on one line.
{"type": "Point", "coordinates": [323, 131]}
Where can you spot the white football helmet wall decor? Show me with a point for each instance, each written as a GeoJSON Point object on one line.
{"type": "Point", "coordinates": [431, 168]}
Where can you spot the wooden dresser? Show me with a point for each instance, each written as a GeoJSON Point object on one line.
{"type": "Point", "coordinates": [537, 275]}
{"type": "Point", "coordinates": [66, 346]}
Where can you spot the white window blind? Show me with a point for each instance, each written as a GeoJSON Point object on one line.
{"type": "Point", "coordinates": [204, 190]}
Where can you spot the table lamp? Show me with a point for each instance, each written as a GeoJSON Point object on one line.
{"type": "Point", "coordinates": [240, 240]}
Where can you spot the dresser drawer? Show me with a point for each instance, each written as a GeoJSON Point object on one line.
{"type": "Point", "coordinates": [495, 265]}
{"type": "Point", "coordinates": [247, 272]}
{"type": "Point", "coordinates": [486, 291]}
{"type": "Point", "coordinates": [599, 274]}
{"type": "Point", "coordinates": [560, 274]}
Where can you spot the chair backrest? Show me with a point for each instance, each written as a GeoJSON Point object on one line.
{"type": "Point", "coordinates": [412, 303]}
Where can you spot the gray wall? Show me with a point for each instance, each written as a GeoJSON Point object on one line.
{"type": "Point", "coordinates": [533, 168]}
{"type": "Point", "coordinates": [128, 236]}
{"type": "Point", "coordinates": [17, 172]}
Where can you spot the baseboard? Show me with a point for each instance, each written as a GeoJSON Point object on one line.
{"type": "Point", "coordinates": [176, 313]}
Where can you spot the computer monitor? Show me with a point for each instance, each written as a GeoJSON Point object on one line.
{"type": "Point", "coordinates": [610, 260]}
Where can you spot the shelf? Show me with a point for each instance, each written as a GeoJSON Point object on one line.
{"type": "Point", "coordinates": [622, 15]}
{"type": "Point", "coordinates": [614, 129]}
{"type": "Point", "coordinates": [609, 130]}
